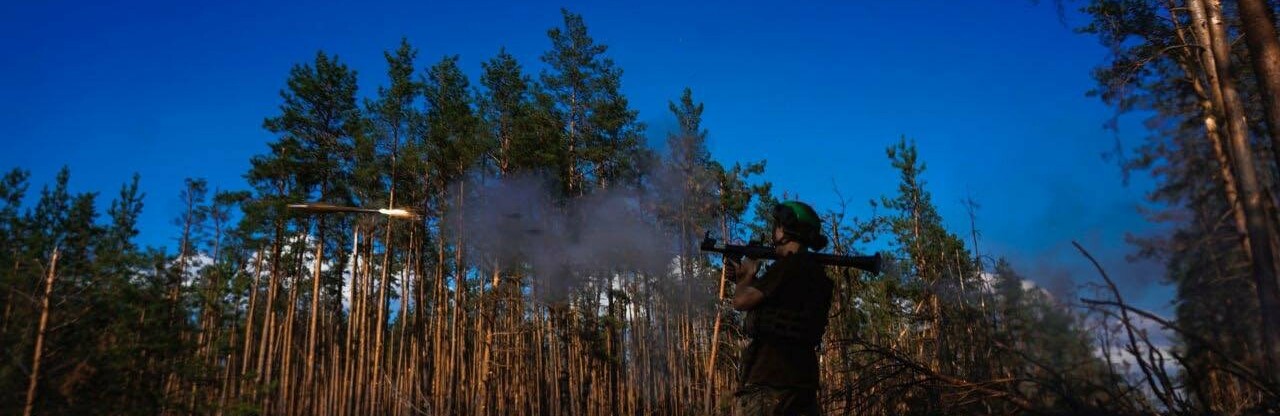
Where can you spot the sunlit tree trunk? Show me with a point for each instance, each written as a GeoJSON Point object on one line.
{"type": "Point", "coordinates": [248, 319]}
{"type": "Point", "coordinates": [709, 396]}
{"type": "Point", "coordinates": [1212, 106]}
{"type": "Point", "coordinates": [378, 338]}
{"type": "Point", "coordinates": [1251, 192]}
{"type": "Point", "coordinates": [315, 308]}
{"type": "Point", "coordinates": [34, 379]}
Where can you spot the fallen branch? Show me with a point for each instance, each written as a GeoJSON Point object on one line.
{"type": "Point", "coordinates": [928, 374]}
{"type": "Point", "coordinates": [1234, 367]}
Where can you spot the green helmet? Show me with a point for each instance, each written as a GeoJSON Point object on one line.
{"type": "Point", "coordinates": [796, 216]}
{"type": "Point", "coordinates": [800, 222]}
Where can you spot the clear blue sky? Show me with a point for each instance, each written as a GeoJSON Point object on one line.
{"type": "Point", "coordinates": [993, 92]}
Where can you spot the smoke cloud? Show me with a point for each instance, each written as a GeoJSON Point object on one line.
{"type": "Point", "coordinates": [516, 222]}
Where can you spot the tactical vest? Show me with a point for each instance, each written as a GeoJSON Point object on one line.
{"type": "Point", "coordinates": [777, 322]}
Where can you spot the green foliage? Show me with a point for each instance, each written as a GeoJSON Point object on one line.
{"type": "Point", "coordinates": [522, 134]}
{"type": "Point", "coordinates": [393, 121]}
{"type": "Point", "coordinates": [453, 131]}
{"type": "Point", "coordinates": [1154, 72]}
{"type": "Point", "coordinates": [686, 182]}
{"type": "Point", "coordinates": [137, 331]}
{"type": "Point", "coordinates": [952, 327]}
{"type": "Point", "coordinates": [97, 348]}
{"type": "Point", "coordinates": [736, 199]}
{"type": "Point", "coordinates": [320, 117]}
{"type": "Point", "coordinates": [602, 139]}
{"type": "Point", "coordinates": [917, 227]}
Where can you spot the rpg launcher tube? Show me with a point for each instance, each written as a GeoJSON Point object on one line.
{"type": "Point", "coordinates": [870, 264]}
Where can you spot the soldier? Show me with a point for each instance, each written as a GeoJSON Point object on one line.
{"type": "Point", "coordinates": [786, 316]}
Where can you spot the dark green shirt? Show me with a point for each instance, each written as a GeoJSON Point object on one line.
{"type": "Point", "coordinates": [788, 324]}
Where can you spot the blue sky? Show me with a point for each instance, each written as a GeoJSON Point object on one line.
{"type": "Point", "coordinates": [992, 91]}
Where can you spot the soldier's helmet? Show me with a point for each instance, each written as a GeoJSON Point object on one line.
{"type": "Point", "coordinates": [800, 222]}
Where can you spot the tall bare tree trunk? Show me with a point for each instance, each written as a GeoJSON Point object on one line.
{"type": "Point", "coordinates": [1251, 192]}
{"type": "Point", "coordinates": [440, 366]}
{"type": "Point", "coordinates": [709, 396]}
{"type": "Point", "coordinates": [353, 317]}
{"type": "Point", "coordinates": [458, 346]}
{"type": "Point", "coordinates": [287, 386]}
{"type": "Point", "coordinates": [248, 320]}
{"type": "Point", "coordinates": [34, 380]}
{"type": "Point", "coordinates": [363, 389]}
{"type": "Point", "coordinates": [1211, 105]}
{"type": "Point", "coordinates": [173, 383]}
{"type": "Point", "coordinates": [315, 306]}
{"type": "Point", "coordinates": [1259, 25]}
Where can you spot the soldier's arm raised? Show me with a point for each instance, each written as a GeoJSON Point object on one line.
{"type": "Point", "coordinates": [745, 296]}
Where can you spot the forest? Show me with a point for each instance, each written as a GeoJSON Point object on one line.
{"type": "Point", "coordinates": [534, 255]}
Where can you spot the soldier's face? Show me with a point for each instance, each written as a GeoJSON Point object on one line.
{"type": "Point", "coordinates": [778, 235]}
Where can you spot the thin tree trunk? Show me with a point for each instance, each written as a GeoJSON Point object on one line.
{"type": "Point", "coordinates": [441, 366]}
{"type": "Point", "coordinates": [402, 379]}
{"type": "Point", "coordinates": [34, 380]}
{"type": "Point", "coordinates": [363, 389]}
{"type": "Point", "coordinates": [709, 396]}
{"type": "Point", "coordinates": [248, 320]}
{"type": "Point", "coordinates": [268, 323]}
{"type": "Point", "coordinates": [315, 306]}
{"type": "Point", "coordinates": [172, 383]}
{"type": "Point", "coordinates": [286, 349]}
{"type": "Point", "coordinates": [458, 345]}
{"type": "Point", "coordinates": [353, 316]}
{"type": "Point", "coordinates": [378, 344]}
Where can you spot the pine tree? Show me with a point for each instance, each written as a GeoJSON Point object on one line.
{"type": "Point", "coordinates": [510, 114]}
{"type": "Point", "coordinates": [454, 144]}
{"type": "Point", "coordinates": [13, 188]}
{"type": "Point", "coordinates": [600, 133]}
{"type": "Point", "coordinates": [318, 125]}
{"type": "Point", "coordinates": [1171, 59]}
{"type": "Point", "coordinates": [452, 127]}
{"type": "Point", "coordinates": [393, 117]}
{"type": "Point", "coordinates": [688, 180]}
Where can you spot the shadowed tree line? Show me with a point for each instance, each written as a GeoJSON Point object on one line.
{"type": "Point", "coordinates": [1205, 74]}
{"type": "Point", "coordinates": [266, 310]}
